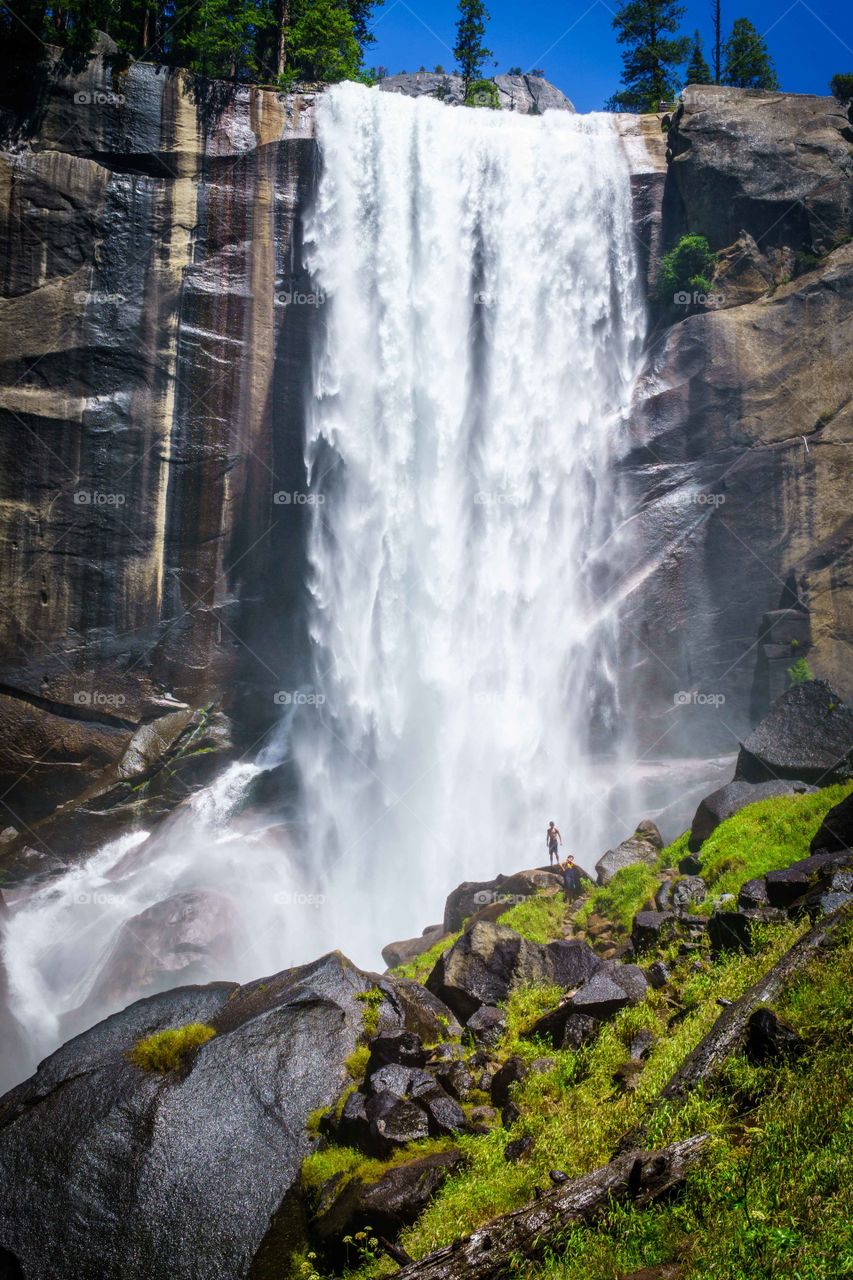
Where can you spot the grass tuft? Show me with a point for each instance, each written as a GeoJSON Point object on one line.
{"type": "Point", "coordinates": [165, 1050]}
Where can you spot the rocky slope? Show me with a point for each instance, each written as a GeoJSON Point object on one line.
{"type": "Point", "coordinates": [560, 1056]}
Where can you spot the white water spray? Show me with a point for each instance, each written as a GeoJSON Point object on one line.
{"type": "Point", "coordinates": [483, 325]}
{"type": "Point", "coordinates": [483, 332]}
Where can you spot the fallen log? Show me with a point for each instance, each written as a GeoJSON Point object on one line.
{"type": "Point", "coordinates": [729, 1031]}
{"type": "Point", "coordinates": [493, 1249]}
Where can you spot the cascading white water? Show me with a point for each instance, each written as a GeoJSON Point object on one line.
{"type": "Point", "coordinates": [483, 319]}
{"type": "Point", "coordinates": [483, 329]}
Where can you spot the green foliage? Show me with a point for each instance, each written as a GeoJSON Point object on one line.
{"type": "Point", "coordinates": [166, 1050]}
{"type": "Point", "coordinates": [800, 672]}
{"type": "Point", "coordinates": [422, 966]}
{"type": "Point", "coordinates": [356, 1063]}
{"type": "Point", "coordinates": [483, 93]}
{"type": "Point", "coordinates": [540, 918]}
{"type": "Point", "coordinates": [620, 900]}
{"type": "Point", "coordinates": [275, 41]}
{"type": "Point", "coordinates": [772, 1198]}
{"type": "Point", "coordinates": [764, 836]}
{"type": "Point", "coordinates": [686, 268]}
{"type": "Point", "coordinates": [469, 51]}
{"type": "Point", "coordinates": [841, 88]}
{"type": "Point", "coordinates": [748, 63]}
{"type": "Point", "coordinates": [322, 43]}
{"type": "Point", "coordinates": [698, 71]}
{"type": "Point", "coordinates": [371, 999]}
{"type": "Point", "coordinates": [653, 52]}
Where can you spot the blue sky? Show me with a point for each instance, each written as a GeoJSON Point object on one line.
{"type": "Point", "coordinates": [573, 40]}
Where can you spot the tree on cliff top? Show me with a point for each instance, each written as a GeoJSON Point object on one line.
{"type": "Point", "coordinates": [748, 61]}
{"type": "Point", "coordinates": [470, 52]}
{"type": "Point", "coordinates": [698, 71]}
{"type": "Point", "coordinates": [652, 55]}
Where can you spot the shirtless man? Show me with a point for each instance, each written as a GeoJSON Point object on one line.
{"type": "Point", "coordinates": [552, 836]}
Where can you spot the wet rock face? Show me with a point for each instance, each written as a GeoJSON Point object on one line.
{"type": "Point", "coordinates": [807, 734]}
{"type": "Point", "coordinates": [166, 1168]}
{"type": "Point", "coordinates": [737, 464]}
{"type": "Point", "coordinates": [150, 381]}
{"type": "Point", "coordinates": [528, 95]}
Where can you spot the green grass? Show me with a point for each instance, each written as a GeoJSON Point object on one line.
{"type": "Point", "coordinates": [165, 1050]}
{"type": "Point", "coordinates": [331, 1160]}
{"type": "Point", "coordinates": [764, 836]}
{"type": "Point", "coordinates": [422, 966]}
{"type": "Point", "coordinates": [575, 1112]}
{"type": "Point", "coordinates": [620, 900]}
{"type": "Point", "coordinates": [540, 918]}
{"type": "Point", "coordinates": [771, 1200]}
{"type": "Point", "coordinates": [371, 1000]}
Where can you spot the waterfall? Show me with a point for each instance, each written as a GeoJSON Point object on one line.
{"type": "Point", "coordinates": [481, 327]}
{"type": "Point", "coordinates": [483, 320]}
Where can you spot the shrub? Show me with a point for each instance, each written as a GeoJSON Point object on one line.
{"type": "Point", "coordinates": [800, 672]}
{"type": "Point", "coordinates": [165, 1050]}
{"type": "Point", "coordinates": [686, 269]}
{"type": "Point", "coordinates": [842, 88]}
{"type": "Point", "coordinates": [483, 93]}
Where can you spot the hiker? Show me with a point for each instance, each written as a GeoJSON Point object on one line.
{"type": "Point", "coordinates": [572, 879]}
{"type": "Point", "coordinates": [552, 836]}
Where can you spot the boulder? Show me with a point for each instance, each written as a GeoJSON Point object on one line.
{"type": "Point", "coordinates": [807, 735]}
{"type": "Point", "coordinates": [156, 1165]}
{"type": "Point", "coordinates": [525, 94]}
{"type": "Point", "coordinates": [691, 889]}
{"type": "Point", "coordinates": [836, 830]}
{"type": "Point", "coordinates": [788, 884]}
{"type": "Point", "coordinates": [444, 1114]}
{"type": "Point", "coordinates": [658, 975]}
{"type": "Point", "coordinates": [486, 1026]}
{"type": "Point", "coordinates": [470, 897]}
{"type": "Point", "coordinates": [511, 1073]}
{"type": "Point", "coordinates": [753, 894]}
{"type": "Point", "coordinates": [394, 1201]}
{"type": "Point", "coordinates": [577, 1018]}
{"type": "Point", "coordinates": [403, 1047]}
{"type": "Point", "coordinates": [417, 1009]}
{"type": "Point", "coordinates": [396, 953]}
{"type": "Point", "coordinates": [455, 1078]}
{"type": "Point", "coordinates": [488, 959]}
{"type": "Point", "coordinates": [517, 1149]}
{"type": "Point", "coordinates": [769, 1040]}
{"type": "Point", "coordinates": [393, 1122]}
{"type": "Point", "coordinates": [353, 1127]}
{"type": "Point", "coordinates": [643, 846]}
{"type": "Point", "coordinates": [733, 797]}
{"type": "Point", "coordinates": [650, 928]}
{"type": "Point", "coordinates": [732, 930]}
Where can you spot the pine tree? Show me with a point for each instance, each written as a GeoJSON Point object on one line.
{"type": "Point", "coordinates": [698, 71]}
{"type": "Point", "coordinates": [470, 52]}
{"type": "Point", "coordinates": [717, 20]}
{"type": "Point", "coordinates": [748, 61]}
{"type": "Point", "coordinates": [652, 55]}
{"type": "Point", "coordinates": [322, 43]}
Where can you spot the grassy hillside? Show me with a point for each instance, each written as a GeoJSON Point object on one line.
{"type": "Point", "coordinates": [771, 1198]}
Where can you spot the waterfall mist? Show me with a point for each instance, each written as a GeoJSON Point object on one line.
{"type": "Point", "coordinates": [481, 327]}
